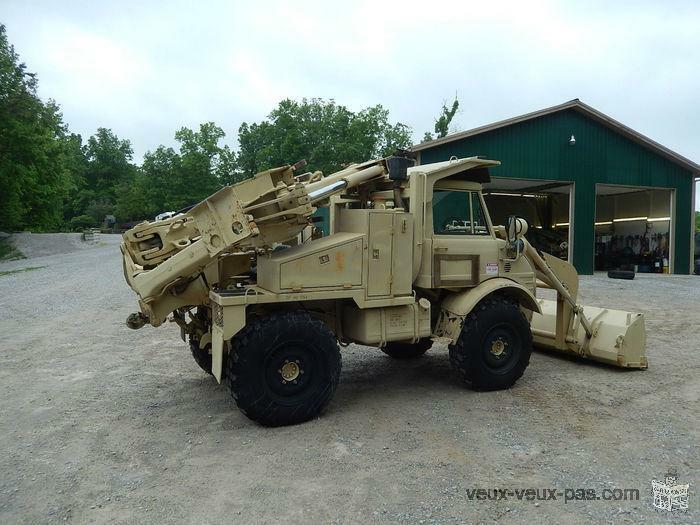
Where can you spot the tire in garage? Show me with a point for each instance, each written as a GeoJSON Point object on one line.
{"type": "Point", "coordinates": [494, 347]}
{"type": "Point", "coordinates": [621, 274]}
{"type": "Point", "coordinates": [284, 368]}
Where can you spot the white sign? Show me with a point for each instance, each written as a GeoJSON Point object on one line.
{"type": "Point", "coordinates": [670, 495]}
{"type": "Point", "coordinates": [491, 268]}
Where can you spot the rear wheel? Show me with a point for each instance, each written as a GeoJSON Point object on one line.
{"type": "Point", "coordinates": [283, 369]}
{"type": "Point", "coordinates": [399, 350]}
{"type": "Point", "coordinates": [202, 321]}
{"type": "Point", "coordinates": [202, 356]}
{"type": "Point", "coordinates": [494, 346]}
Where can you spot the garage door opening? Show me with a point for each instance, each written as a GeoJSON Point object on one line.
{"type": "Point", "coordinates": [633, 229]}
{"type": "Point", "coordinates": [545, 205]}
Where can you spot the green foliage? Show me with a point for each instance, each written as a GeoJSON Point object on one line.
{"type": "Point", "coordinates": [78, 197]}
{"type": "Point", "coordinates": [21, 270]}
{"type": "Point", "coordinates": [33, 158]}
{"type": "Point", "coordinates": [697, 221]}
{"type": "Point", "coordinates": [324, 133]}
{"type": "Point", "coordinates": [170, 180]}
{"type": "Point", "coordinates": [98, 209]}
{"type": "Point", "coordinates": [82, 222]}
{"type": "Point", "coordinates": [442, 123]}
{"type": "Point", "coordinates": [202, 165]}
{"type": "Point", "coordinates": [108, 164]}
{"type": "Point", "coordinates": [102, 171]}
{"type": "Point", "coordinates": [8, 251]}
{"type": "Point", "coordinates": [47, 175]}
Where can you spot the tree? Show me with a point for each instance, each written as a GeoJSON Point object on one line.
{"type": "Point", "coordinates": [76, 164]}
{"type": "Point", "coordinates": [204, 164]}
{"type": "Point", "coordinates": [149, 191]}
{"type": "Point", "coordinates": [108, 164]}
{"type": "Point", "coordinates": [101, 171]}
{"type": "Point", "coordinates": [34, 176]}
{"type": "Point", "coordinates": [133, 203]}
{"type": "Point", "coordinates": [324, 133]}
{"type": "Point", "coordinates": [170, 180]}
{"type": "Point", "coordinates": [442, 123]}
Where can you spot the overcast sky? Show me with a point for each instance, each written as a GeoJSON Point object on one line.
{"type": "Point", "coordinates": [144, 69]}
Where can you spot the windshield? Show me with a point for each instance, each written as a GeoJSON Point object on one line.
{"type": "Point", "coordinates": [458, 213]}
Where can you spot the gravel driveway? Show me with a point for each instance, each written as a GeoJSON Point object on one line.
{"type": "Point", "coordinates": [104, 424]}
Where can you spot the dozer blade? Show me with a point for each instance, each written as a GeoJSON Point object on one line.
{"type": "Point", "coordinates": [601, 334]}
{"type": "Point", "coordinates": [617, 337]}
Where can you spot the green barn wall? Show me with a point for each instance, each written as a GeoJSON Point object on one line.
{"type": "Point", "coordinates": [322, 220]}
{"type": "Point", "coordinates": [539, 149]}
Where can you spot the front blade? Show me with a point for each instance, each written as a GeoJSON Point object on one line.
{"type": "Point", "coordinates": [619, 337]}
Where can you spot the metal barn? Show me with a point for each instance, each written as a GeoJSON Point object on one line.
{"type": "Point", "coordinates": [594, 191]}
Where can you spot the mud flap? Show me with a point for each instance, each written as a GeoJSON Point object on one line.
{"type": "Point", "coordinates": [228, 321]}
{"type": "Point", "coordinates": [217, 352]}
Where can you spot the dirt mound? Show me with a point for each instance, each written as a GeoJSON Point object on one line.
{"type": "Point", "coordinates": [43, 244]}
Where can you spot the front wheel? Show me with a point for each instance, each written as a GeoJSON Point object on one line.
{"type": "Point", "coordinates": [283, 369]}
{"type": "Point", "coordinates": [494, 346]}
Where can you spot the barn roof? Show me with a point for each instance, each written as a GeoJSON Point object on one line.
{"type": "Point", "coordinates": [582, 108]}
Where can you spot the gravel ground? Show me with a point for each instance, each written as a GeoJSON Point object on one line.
{"type": "Point", "coordinates": [104, 424]}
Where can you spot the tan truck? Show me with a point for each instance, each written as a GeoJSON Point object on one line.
{"type": "Point", "coordinates": [412, 257]}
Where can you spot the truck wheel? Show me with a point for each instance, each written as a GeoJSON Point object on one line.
{"type": "Point", "coordinates": [202, 356]}
{"type": "Point", "coordinates": [283, 369]}
{"type": "Point", "coordinates": [407, 350]}
{"type": "Point", "coordinates": [494, 346]}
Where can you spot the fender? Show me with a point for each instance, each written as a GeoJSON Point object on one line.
{"type": "Point", "coordinates": [456, 307]}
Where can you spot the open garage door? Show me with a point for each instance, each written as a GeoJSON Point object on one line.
{"type": "Point", "coordinates": [546, 205]}
{"type": "Point", "coordinates": [633, 229]}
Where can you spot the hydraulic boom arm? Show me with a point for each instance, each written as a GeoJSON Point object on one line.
{"type": "Point", "coordinates": [165, 261]}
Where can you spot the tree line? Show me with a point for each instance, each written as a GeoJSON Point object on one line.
{"type": "Point", "coordinates": [51, 179]}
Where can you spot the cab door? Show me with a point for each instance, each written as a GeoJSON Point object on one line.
{"type": "Point", "coordinates": [465, 251]}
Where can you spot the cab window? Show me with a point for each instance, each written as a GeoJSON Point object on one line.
{"type": "Point", "coordinates": [458, 213]}
{"type": "Point", "coordinates": [479, 223]}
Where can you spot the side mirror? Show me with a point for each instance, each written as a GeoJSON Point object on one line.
{"type": "Point", "coordinates": [516, 228]}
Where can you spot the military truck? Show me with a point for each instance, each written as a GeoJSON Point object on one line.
{"type": "Point", "coordinates": [412, 257]}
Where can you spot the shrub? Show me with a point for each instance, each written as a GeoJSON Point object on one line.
{"type": "Point", "coordinates": [81, 222]}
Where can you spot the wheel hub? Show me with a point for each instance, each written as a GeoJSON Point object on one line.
{"type": "Point", "coordinates": [290, 370]}
{"type": "Point", "coordinates": [498, 347]}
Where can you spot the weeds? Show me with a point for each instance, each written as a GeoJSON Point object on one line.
{"type": "Point", "coordinates": [21, 270]}
{"type": "Point", "coordinates": [8, 252]}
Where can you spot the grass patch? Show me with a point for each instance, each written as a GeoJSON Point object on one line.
{"type": "Point", "coordinates": [21, 270]}
{"type": "Point", "coordinates": [8, 252]}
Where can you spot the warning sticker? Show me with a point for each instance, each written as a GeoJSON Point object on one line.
{"type": "Point", "coordinates": [491, 268]}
